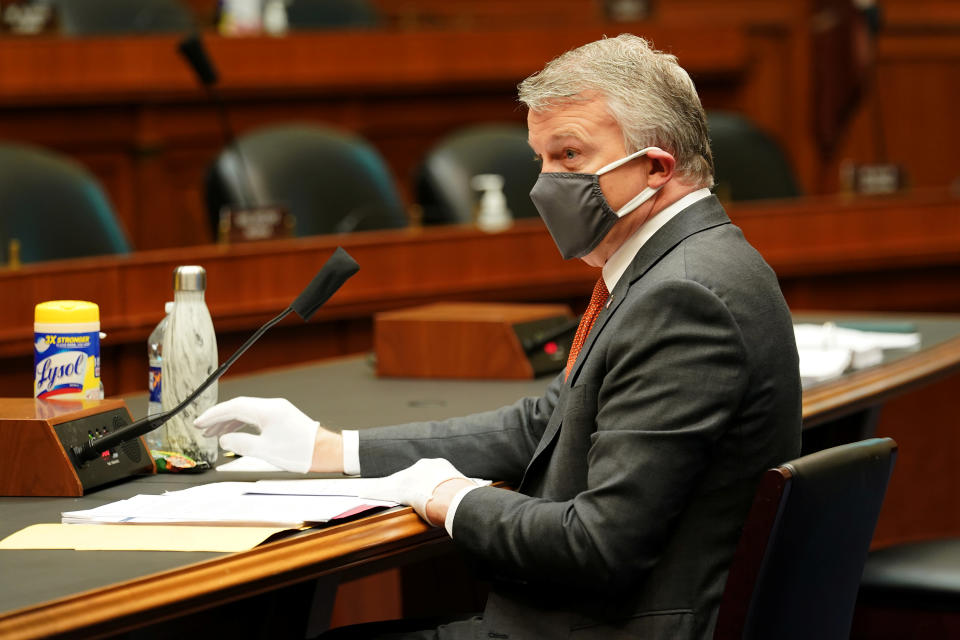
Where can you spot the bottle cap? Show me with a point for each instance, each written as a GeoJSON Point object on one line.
{"type": "Point", "coordinates": [189, 278]}
{"type": "Point", "coordinates": [66, 311]}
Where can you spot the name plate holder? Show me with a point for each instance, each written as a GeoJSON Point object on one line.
{"type": "Point", "coordinates": [250, 224]}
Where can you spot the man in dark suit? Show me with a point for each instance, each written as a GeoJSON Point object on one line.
{"type": "Point", "coordinates": [636, 468]}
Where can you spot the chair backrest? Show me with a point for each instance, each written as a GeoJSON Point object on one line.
{"type": "Point", "coordinates": [333, 14]}
{"type": "Point", "coordinates": [748, 163]}
{"type": "Point", "coordinates": [443, 181]}
{"type": "Point", "coordinates": [332, 182]}
{"type": "Point", "coordinates": [797, 567]}
{"type": "Point", "coordinates": [102, 17]}
{"type": "Point", "coordinates": [54, 207]}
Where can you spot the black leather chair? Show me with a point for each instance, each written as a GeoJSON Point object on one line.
{"type": "Point", "coordinates": [748, 163]}
{"type": "Point", "coordinates": [54, 208]}
{"type": "Point", "coordinates": [442, 183]}
{"type": "Point", "coordinates": [911, 590]}
{"type": "Point", "coordinates": [333, 14]}
{"type": "Point", "coordinates": [332, 182]}
{"type": "Point", "coordinates": [798, 564]}
{"type": "Point", "coordinates": [106, 17]}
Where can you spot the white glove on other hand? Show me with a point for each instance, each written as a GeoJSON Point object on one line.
{"type": "Point", "coordinates": [286, 437]}
{"type": "Point", "coordinates": [414, 485]}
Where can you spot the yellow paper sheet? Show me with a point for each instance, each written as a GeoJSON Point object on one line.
{"type": "Point", "coordinates": [139, 537]}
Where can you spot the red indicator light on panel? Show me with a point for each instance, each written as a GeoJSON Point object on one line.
{"type": "Point", "coordinates": [105, 454]}
{"type": "Point", "coordinates": [550, 348]}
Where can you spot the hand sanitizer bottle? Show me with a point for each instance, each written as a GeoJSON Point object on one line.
{"type": "Point", "coordinates": [493, 214]}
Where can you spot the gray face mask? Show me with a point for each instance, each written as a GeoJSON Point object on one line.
{"type": "Point", "coordinates": [575, 210]}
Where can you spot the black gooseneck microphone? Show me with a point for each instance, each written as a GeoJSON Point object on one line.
{"type": "Point", "coordinates": [337, 269]}
{"type": "Point", "coordinates": [193, 51]}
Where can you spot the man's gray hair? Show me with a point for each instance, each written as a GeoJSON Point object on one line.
{"type": "Point", "coordinates": [649, 95]}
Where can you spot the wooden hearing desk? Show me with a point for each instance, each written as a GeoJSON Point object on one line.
{"type": "Point", "coordinates": [897, 253]}
{"type": "Point", "coordinates": [87, 594]}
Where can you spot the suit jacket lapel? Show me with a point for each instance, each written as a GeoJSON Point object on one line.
{"type": "Point", "coordinates": [701, 215]}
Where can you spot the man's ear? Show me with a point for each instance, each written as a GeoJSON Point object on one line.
{"type": "Point", "coordinates": [661, 167]}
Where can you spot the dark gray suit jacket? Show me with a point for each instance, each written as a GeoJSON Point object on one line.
{"type": "Point", "coordinates": [635, 475]}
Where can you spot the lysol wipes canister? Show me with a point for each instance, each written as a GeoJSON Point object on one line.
{"type": "Point", "coordinates": [66, 350]}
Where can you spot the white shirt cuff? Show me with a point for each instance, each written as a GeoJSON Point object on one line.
{"type": "Point", "coordinates": [351, 452]}
{"type": "Point", "coordinates": [452, 509]}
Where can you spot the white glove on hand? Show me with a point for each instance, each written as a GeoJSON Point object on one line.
{"type": "Point", "coordinates": [286, 437]}
{"type": "Point", "coordinates": [412, 486]}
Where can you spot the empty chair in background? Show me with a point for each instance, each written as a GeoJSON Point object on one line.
{"type": "Point", "coordinates": [333, 14]}
{"type": "Point", "coordinates": [107, 17]}
{"type": "Point", "coordinates": [748, 163]}
{"type": "Point", "coordinates": [54, 208]}
{"type": "Point", "coordinates": [442, 183]}
{"type": "Point", "coordinates": [910, 590]}
{"type": "Point", "coordinates": [797, 567]}
{"type": "Point", "coordinates": [330, 181]}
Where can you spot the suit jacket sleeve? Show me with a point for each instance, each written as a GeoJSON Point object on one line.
{"type": "Point", "coordinates": [494, 444]}
{"type": "Point", "coordinates": [660, 386]}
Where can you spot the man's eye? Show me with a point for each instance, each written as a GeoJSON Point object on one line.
{"type": "Point", "coordinates": [569, 154]}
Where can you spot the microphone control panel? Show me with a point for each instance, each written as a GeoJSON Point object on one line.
{"type": "Point", "coordinates": [126, 459]}
{"type": "Point", "coordinates": [39, 436]}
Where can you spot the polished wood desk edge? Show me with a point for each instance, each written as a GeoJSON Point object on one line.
{"type": "Point", "coordinates": [869, 387]}
{"type": "Point", "coordinates": [153, 598]}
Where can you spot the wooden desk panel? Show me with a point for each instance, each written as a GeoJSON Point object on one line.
{"type": "Point", "coordinates": [248, 284]}
{"type": "Point", "coordinates": [342, 550]}
{"type": "Point", "coordinates": [883, 254]}
{"type": "Point", "coordinates": [395, 538]}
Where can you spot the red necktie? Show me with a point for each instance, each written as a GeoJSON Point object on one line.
{"type": "Point", "coordinates": [597, 300]}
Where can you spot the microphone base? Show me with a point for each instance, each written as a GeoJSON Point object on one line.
{"type": "Point", "coordinates": [38, 437]}
{"type": "Point", "coordinates": [478, 340]}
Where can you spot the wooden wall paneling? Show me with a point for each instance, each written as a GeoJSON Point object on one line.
{"type": "Point", "coordinates": [897, 254]}
{"type": "Point", "coordinates": [465, 14]}
{"type": "Point", "coordinates": [248, 284]}
{"type": "Point", "coordinates": [910, 110]}
{"type": "Point", "coordinates": [921, 14]}
{"type": "Point", "coordinates": [404, 129]}
{"type": "Point", "coordinates": [919, 89]}
{"type": "Point", "coordinates": [113, 170]}
{"type": "Point", "coordinates": [172, 209]}
{"type": "Point", "coordinates": [831, 235]}
{"type": "Point", "coordinates": [775, 90]}
{"type": "Point", "coordinates": [904, 289]}
{"type": "Point", "coordinates": [769, 98]}
{"type": "Point", "coordinates": [368, 599]}
{"type": "Point", "coordinates": [402, 91]}
{"type": "Point", "coordinates": [923, 499]}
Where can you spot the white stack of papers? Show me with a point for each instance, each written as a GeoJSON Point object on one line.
{"type": "Point", "coordinates": [826, 350]}
{"type": "Point", "coordinates": [227, 503]}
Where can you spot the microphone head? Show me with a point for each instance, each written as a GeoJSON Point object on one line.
{"type": "Point", "coordinates": [192, 49]}
{"type": "Point", "coordinates": [331, 277]}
